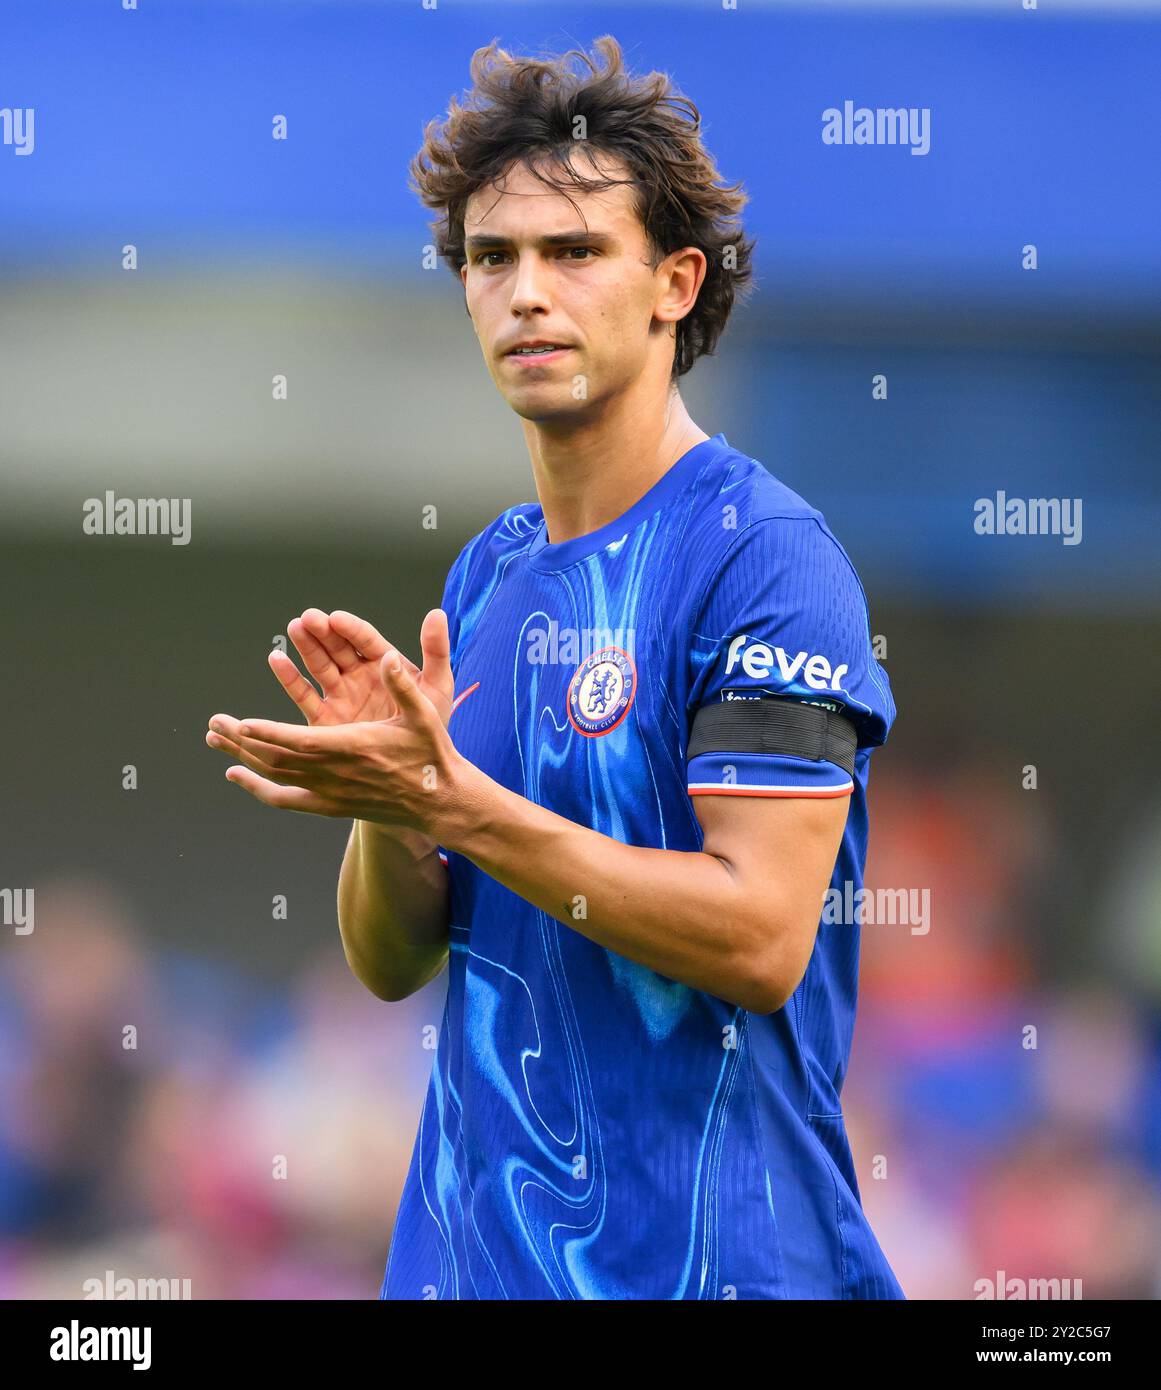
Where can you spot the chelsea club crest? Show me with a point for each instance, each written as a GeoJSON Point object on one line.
{"type": "Point", "coordinates": [601, 691]}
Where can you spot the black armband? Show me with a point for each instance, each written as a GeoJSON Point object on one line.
{"type": "Point", "coordinates": [774, 724]}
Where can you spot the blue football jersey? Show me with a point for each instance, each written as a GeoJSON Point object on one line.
{"type": "Point", "coordinates": [593, 1129]}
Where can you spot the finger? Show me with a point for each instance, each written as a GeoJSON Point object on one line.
{"type": "Point", "coordinates": [296, 685]}
{"type": "Point", "coordinates": [340, 651]}
{"type": "Point", "coordinates": [266, 758]}
{"type": "Point", "coordinates": [315, 655]}
{"type": "Point", "coordinates": [284, 775]}
{"type": "Point", "coordinates": [285, 798]}
{"type": "Point", "coordinates": [324, 739]}
{"type": "Point", "coordinates": [367, 641]}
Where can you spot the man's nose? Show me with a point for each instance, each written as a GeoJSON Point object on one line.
{"type": "Point", "coordinates": [529, 286]}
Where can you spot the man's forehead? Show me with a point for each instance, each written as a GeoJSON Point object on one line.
{"type": "Point", "coordinates": [518, 194]}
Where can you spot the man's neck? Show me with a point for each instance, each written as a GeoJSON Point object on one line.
{"type": "Point", "coordinates": [593, 473]}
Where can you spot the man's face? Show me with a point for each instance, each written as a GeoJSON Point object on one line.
{"type": "Point", "coordinates": [591, 290]}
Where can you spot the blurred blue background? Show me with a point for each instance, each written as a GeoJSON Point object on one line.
{"type": "Point", "coordinates": [306, 257]}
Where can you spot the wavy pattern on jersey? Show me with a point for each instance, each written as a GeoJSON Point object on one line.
{"type": "Point", "coordinates": [611, 779]}
{"type": "Point", "coordinates": [564, 1225]}
{"type": "Point", "coordinates": [547, 1207]}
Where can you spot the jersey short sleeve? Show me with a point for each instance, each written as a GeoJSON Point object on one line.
{"type": "Point", "coordinates": [784, 689]}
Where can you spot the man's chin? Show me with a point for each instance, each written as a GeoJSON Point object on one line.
{"type": "Point", "coordinates": [540, 406]}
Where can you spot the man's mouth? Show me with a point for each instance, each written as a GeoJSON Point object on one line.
{"type": "Point", "coordinates": [539, 352]}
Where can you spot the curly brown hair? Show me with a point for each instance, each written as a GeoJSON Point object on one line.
{"type": "Point", "coordinates": [528, 110]}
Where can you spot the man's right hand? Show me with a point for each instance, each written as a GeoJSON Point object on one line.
{"type": "Point", "coordinates": [345, 655]}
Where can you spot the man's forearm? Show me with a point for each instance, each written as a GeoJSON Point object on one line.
{"type": "Point", "coordinates": [393, 904]}
{"type": "Point", "coordinates": [680, 913]}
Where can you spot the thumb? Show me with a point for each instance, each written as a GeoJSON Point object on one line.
{"type": "Point", "coordinates": [435, 643]}
{"type": "Point", "coordinates": [405, 691]}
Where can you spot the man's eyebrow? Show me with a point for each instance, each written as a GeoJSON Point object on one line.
{"type": "Point", "coordinates": [482, 242]}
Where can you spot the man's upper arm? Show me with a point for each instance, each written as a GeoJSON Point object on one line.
{"type": "Point", "coordinates": [782, 852]}
{"type": "Point", "coordinates": [785, 692]}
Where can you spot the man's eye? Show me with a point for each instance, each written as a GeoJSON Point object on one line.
{"type": "Point", "coordinates": [586, 252]}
